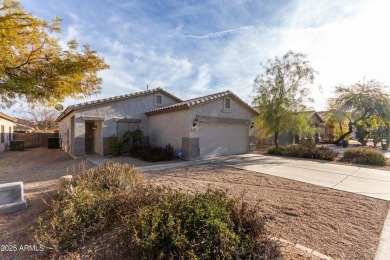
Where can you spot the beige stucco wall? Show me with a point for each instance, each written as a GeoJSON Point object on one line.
{"type": "Point", "coordinates": [7, 133]}
{"type": "Point", "coordinates": [98, 140]}
{"type": "Point", "coordinates": [63, 126]}
{"type": "Point", "coordinates": [216, 109]}
{"type": "Point", "coordinates": [131, 108]}
{"type": "Point", "coordinates": [169, 128]}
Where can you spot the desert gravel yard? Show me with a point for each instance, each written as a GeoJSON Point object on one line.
{"type": "Point", "coordinates": [39, 169]}
{"type": "Point", "coordinates": [339, 224]}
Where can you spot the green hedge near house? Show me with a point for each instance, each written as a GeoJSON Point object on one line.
{"type": "Point", "coordinates": [153, 153]}
{"type": "Point", "coordinates": [305, 151]}
{"type": "Point", "coordinates": [364, 156]}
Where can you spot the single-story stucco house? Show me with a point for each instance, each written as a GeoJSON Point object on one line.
{"type": "Point", "coordinates": [6, 129]}
{"type": "Point", "coordinates": [213, 125]}
{"type": "Point", "coordinates": [322, 130]}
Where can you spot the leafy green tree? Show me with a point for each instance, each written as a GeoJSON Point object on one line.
{"type": "Point", "coordinates": [337, 121]}
{"type": "Point", "coordinates": [34, 66]}
{"type": "Point", "coordinates": [360, 103]}
{"type": "Point", "coordinates": [280, 93]}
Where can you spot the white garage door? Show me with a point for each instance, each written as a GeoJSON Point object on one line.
{"type": "Point", "coordinates": [217, 139]}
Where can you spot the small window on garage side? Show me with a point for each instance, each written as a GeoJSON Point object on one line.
{"type": "Point", "coordinates": [159, 100]}
{"type": "Point", "coordinates": [227, 103]}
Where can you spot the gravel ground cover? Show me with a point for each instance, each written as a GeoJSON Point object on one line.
{"type": "Point", "coordinates": [339, 224]}
{"type": "Point", "coordinates": [39, 169]}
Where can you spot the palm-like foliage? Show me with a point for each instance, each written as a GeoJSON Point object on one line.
{"type": "Point", "coordinates": [360, 103]}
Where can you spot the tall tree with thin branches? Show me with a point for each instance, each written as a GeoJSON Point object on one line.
{"type": "Point", "coordinates": [280, 93]}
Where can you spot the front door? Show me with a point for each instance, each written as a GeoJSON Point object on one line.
{"type": "Point", "coordinates": [88, 137]}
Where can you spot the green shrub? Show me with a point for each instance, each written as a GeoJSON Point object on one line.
{"type": "Point", "coordinates": [364, 156]}
{"type": "Point", "coordinates": [86, 206]}
{"type": "Point", "coordinates": [201, 226]}
{"type": "Point", "coordinates": [148, 222]}
{"type": "Point", "coordinates": [305, 151]}
{"type": "Point", "coordinates": [153, 153]}
{"type": "Point", "coordinates": [115, 146]}
{"type": "Point", "coordinates": [136, 137]}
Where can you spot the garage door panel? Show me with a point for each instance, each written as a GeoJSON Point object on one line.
{"type": "Point", "coordinates": [216, 139]}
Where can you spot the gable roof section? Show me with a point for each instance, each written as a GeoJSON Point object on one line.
{"type": "Point", "coordinates": [199, 101]}
{"type": "Point", "coordinates": [7, 117]}
{"type": "Point", "coordinates": [318, 116]}
{"type": "Point", "coordinates": [116, 98]}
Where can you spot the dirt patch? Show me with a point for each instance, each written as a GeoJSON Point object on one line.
{"type": "Point", "coordinates": [39, 169]}
{"type": "Point", "coordinates": [335, 223]}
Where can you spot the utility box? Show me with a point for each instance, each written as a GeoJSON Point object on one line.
{"type": "Point", "coordinates": [16, 145]}
{"type": "Point", "coordinates": [53, 142]}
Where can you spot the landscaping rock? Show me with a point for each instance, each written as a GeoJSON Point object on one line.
{"type": "Point", "coordinates": [65, 180]}
{"type": "Point", "coordinates": [12, 197]}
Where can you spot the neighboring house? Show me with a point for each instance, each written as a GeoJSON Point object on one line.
{"type": "Point", "coordinates": [328, 129]}
{"type": "Point", "coordinates": [23, 126]}
{"type": "Point", "coordinates": [6, 129]}
{"type": "Point", "coordinates": [218, 124]}
{"type": "Point", "coordinates": [323, 131]}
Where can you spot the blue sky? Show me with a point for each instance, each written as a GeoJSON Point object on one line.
{"type": "Point", "coordinates": [194, 48]}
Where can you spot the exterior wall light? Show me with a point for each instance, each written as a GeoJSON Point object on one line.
{"type": "Point", "coordinates": [195, 122]}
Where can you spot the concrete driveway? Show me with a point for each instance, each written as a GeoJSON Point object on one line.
{"type": "Point", "coordinates": [365, 181]}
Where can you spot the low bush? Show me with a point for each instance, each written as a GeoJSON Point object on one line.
{"type": "Point", "coordinates": [149, 222]}
{"type": "Point", "coordinates": [115, 145]}
{"type": "Point", "coordinates": [153, 153]}
{"type": "Point", "coordinates": [305, 151]}
{"type": "Point", "coordinates": [364, 156]}
{"type": "Point", "coordinates": [85, 206]}
{"type": "Point", "coordinates": [201, 226]}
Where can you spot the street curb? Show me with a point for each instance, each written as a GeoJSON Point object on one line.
{"type": "Point", "coordinates": [383, 250]}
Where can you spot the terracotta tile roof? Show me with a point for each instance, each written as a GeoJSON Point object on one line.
{"type": "Point", "coordinates": [197, 101]}
{"type": "Point", "coordinates": [7, 117]}
{"type": "Point", "coordinates": [116, 98]}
